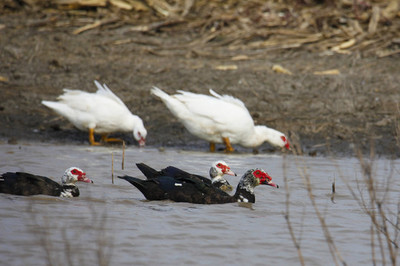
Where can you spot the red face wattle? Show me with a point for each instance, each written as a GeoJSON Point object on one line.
{"type": "Point", "coordinates": [285, 140]}
{"type": "Point", "coordinates": [81, 176]}
{"type": "Point", "coordinates": [142, 140]}
{"type": "Point", "coordinates": [225, 169]}
{"type": "Point", "coordinates": [264, 178]}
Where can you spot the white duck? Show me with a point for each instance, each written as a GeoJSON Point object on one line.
{"type": "Point", "coordinates": [219, 119]}
{"type": "Point", "coordinates": [101, 112]}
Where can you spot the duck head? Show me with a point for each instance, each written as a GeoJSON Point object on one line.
{"type": "Point", "coordinates": [251, 179]}
{"type": "Point", "coordinates": [140, 133]}
{"type": "Point", "coordinates": [220, 168]}
{"type": "Point", "coordinates": [217, 170]}
{"type": "Point", "coordinates": [262, 178]}
{"type": "Point", "coordinates": [274, 137]}
{"type": "Point", "coordinates": [279, 139]}
{"type": "Point", "coordinates": [285, 142]}
{"type": "Point", "coordinates": [255, 177]}
{"type": "Point", "coordinates": [74, 174]}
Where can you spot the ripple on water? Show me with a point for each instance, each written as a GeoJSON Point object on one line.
{"type": "Point", "coordinates": [117, 217]}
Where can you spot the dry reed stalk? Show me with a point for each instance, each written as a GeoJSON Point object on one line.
{"type": "Point", "coordinates": [287, 216]}
{"type": "Point", "coordinates": [40, 224]}
{"type": "Point", "coordinates": [112, 167]}
{"type": "Point", "coordinates": [123, 155]}
{"type": "Point", "coordinates": [336, 256]}
{"type": "Point", "coordinates": [374, 206]}
{"type": "Point", "coordinates": [333, 190]}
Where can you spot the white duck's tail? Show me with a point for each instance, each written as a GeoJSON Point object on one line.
{"type": "Point", "coordinates": [173, 104]}
{"type": "Point", "coordinates": [160, 93]}
{"type": "Point", "coordinates": [59, 108]}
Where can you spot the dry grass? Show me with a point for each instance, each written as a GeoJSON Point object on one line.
{"type": "Point", "coordinates": [330, 26]}
{"type": "Point", "coordinates": [51, 231]}
{"type": "Point", "coordinates": [373, 199]}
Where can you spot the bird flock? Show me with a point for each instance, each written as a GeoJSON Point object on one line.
{"type": "Point", "coordinates": [170, 183]}
{"type": "Point", "coordinates": [214, 118]}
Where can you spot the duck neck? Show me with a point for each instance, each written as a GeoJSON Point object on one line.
{"type": "Point", "coordinates": [69, 191]}
{"type": "Point", "coordinates": [129, 124]}
{"type": "Point", "coordinates": [218, 179]}
{"type": "Point", "coordinates": [245, 191]}
{"type": "Point", "coordinates": [262, 134]}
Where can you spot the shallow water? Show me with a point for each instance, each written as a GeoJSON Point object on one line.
{"type": "Point", "coordinates": [113, 224]}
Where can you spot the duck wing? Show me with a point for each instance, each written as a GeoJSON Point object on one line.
{"type": "Point", "coordinates": [167, 187]}
{"type": "Point", "coordinates": [171, 171]}
{"type": "Point", "coordinates": [26, 184]}
{"type": "Point", "coordinates": [103, 99]}
{"type": "Point", "coordinates": [213, 110]}
{"type": "Point", "coordinates": [103, 90]}
{"type": "Point", "coordinates": [181, 189]}
{"type": "Point", "coordinates": [228, 99]}
{"type": "Point", "coordinates": [152, 189]}
{"type": "Point", "coordinates": [148, 171]}
{"type": "Point", "coordinates": [179, 173]}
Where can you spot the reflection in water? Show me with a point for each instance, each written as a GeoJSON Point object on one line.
{"type": "Point", "coordinates": [115, 224]}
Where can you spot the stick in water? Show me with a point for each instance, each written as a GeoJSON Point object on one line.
{"type": "Point", "coordinates": [112, 167]}
{"type": "Point", "coordinates": [333, 190]}
{"type": "Point", "coordinates": [123, 154]}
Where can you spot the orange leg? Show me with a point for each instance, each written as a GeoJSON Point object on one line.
{"type": "Point", "coordinates": [228, 145]}
{"type": "Point", "coordinates": [212, 147]}
{"type": "Point", "coordinates": [91, 138]}
{"type": "Point", "coordinates": [104, 138]}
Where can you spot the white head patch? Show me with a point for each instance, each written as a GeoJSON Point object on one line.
{"type": "Point", "coordinates": [71, 175]}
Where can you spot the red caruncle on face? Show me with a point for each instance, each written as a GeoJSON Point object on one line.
{"type": "Point", "coordinates": [223, 167]}
{"type": "Point", "coordinates": [262, 176]}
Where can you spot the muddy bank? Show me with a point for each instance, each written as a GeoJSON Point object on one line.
{"type": "Point", "coordinates": [319, 113]}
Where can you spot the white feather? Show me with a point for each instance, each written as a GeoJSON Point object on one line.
{"type": "Point", "coordinates": [103, 111]}
{"type": "Point", "coordinates": [215, 117]}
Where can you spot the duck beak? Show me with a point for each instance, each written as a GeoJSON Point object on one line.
{"type": "Point", "coordinates": [272, 184]}
{"type": "Point", "coordinates": [230, 172]}
{"type": "Point", "coordinates": [84, 178]}
{"type": "Point", "coordinates": [142, 142]}
{"type": "Point", "coordinates": [286, 141]}
{"type": "Point", "coordinates": [287, 146]}
{"type": "Point", "coordinates": [269, 183]}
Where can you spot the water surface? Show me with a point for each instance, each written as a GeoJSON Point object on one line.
{"type": "Point", "coordinates": [112, 224]}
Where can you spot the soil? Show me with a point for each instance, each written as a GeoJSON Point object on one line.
{"type": "Point", "coordinates": [40, 55]}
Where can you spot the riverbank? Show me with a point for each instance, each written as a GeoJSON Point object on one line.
{"type": "Point", "coordinates": [329, 102]}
